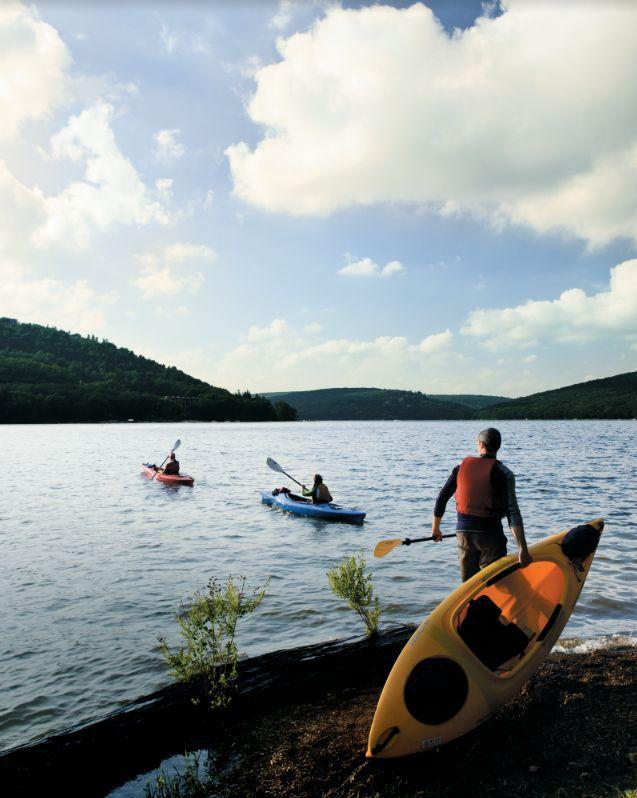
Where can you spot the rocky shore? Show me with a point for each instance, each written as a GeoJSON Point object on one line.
{"type": "Point", "coordinates": [299, 729]}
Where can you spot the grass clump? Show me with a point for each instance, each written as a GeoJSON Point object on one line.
{"type": "Point", "coordinates": [349, 581]}
{"type": "Point", "coordinates": [208, 623]}
{"type": "Point", "coordinates": [185, 784]}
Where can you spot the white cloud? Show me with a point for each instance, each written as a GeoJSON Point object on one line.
{"type": "Point", "coordinates": [365, 267]}
{"type": "Point", "coordinates": [393, 267]}
{"type": "Point", "coordinates": [209, 200]}
{"type": "Point", "coordinates": [71, 306]}
{"type": "Point", "coordinates": [112, 193]}
{"type": "Point", "coordinates": [187, 41]}
{"type": "Point", "coordinates": [164, 272]}
{"type": "Point", "coordinates": [283, 16]}
{"type": "Point", "coordinates": [511, 119]}
{"type": "Point", "coordinates": [164, 189]}
{"type": "Point", "coordinates": [170, 38]}
{"type": "Point", "coordinates": [21, 210]}
{"type": "Point", "coordinates": [33, 64]}
{"type": "Point", "coordinates": [281, 356]}
{"type": "Point", "coordinates": [574, 316]}
{"type": "Point", "coordinates": [529, 359]}
{"type": "Point", "coordinates": [438, 342]}
{"type": "Point", "coordinates": [276, 329]}
{"type": "Point", "coordinates": [167, 147]}
{"type": "Point", "coordinates": [344, 348]}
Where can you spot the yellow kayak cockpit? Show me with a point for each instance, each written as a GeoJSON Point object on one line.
{"type": "Point", "coordinates": [514, 608]}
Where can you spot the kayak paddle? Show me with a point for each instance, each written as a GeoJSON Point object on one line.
{"type": "Point", "coordinates": [276, 467]}
{"type": "Point", "coordinates": [175, 447]}
{"type": "Point", "coordinates": [385, 546]}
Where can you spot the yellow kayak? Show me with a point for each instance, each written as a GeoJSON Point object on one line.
{"type": "Point", "coordinates": [476, 650]}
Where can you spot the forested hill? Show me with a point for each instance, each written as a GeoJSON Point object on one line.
{"type": "Point", "coordinates": [47, 375]}
{"type": "Point", "coordinates": [370, 404]}
{"type": "Point", "coordinates": [612, 397]}
{"type": "Point", "coordinates": [477, 401]}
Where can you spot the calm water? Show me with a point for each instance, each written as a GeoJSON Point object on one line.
{"type": "Point", "coordinates": [96, 558]}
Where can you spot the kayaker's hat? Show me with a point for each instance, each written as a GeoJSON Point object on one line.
{"type": "Point", "coordinates": [491, 438]}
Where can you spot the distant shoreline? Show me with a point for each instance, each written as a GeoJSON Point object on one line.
{"type": "Point", "coordinates": [309, 421]}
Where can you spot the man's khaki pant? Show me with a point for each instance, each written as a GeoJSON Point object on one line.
{"type": "Point", "coordinates": [476, 550]}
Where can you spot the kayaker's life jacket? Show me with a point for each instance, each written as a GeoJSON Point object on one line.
{"type": "Point", "coordinates": [321, 494]}
{"type": "Point", "coordinates": [474, 492]}
{"type": "Point", "coordinates": [172, 467]}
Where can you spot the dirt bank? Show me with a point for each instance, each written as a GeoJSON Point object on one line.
{"type": "Point", "coordinates": [572, 731]}
{"type": "Point", "coordinates": [299, 728]}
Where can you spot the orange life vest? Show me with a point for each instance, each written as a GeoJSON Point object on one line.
{"type": "Point", "coordinates": [474, 491]}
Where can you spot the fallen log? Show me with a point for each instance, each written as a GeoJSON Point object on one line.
{"type": "Point", "coordinates": [92, 758]}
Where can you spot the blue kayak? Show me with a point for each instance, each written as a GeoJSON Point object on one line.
{"type": "Point", "coordinates": [331, 511]}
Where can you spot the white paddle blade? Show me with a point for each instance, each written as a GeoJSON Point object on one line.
{"type": "Point", "coordinates": [274, 465]}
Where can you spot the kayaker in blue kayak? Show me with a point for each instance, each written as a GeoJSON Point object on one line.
{"type": "Point", "coordinates": [319, 492]}
{"type": "Point", "coordinates": [485, 493]}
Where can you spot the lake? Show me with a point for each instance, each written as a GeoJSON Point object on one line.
{"type": "Point", "coordinates": [96, 558]}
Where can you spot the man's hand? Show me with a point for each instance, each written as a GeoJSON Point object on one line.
{"type": "Point", "coordinates": [435, 529]}
{"type": "Point", "coordinates": [303, 487]}
{"type": "Point", "coordinates": [524, 557]}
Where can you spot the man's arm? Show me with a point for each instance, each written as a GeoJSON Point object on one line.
{"type": "Point", "coordinates": [523, 556]}
{"type": "Point", "coordinates": [448, 489]}
{"type": "Point", "coordinates": [514, 516]}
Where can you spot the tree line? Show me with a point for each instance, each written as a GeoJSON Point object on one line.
{"type": "Point", "coordinates": [48, 375]}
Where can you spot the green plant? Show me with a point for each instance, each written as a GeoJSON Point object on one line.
{"type": "Point", "coordinates": [208, 625]}
{"type": "Point", "coordinates": [350, 582]}
{"type": "Point", "coordinates": [184, 784]}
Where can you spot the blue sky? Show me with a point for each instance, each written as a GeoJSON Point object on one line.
{"type": "Point", "coordinates": [296, 195]}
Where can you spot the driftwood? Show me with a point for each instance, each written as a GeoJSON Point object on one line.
{"type": "Point", "coordinates": [91, 759]}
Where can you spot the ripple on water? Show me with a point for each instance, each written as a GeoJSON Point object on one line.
{"type": "Point", "coordinates": [94, 570]}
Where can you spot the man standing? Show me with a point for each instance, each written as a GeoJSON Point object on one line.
{"type": "Point", "coordinates": [485, 492]}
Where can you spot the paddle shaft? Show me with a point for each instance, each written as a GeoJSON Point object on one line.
{"type": "Point", "coordinates": [409, 541]}
{"type": "Point", "coordinates": [292, 478]}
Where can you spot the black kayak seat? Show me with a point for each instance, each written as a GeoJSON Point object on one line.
{"type": "Point", "coordinates": [492, 641]}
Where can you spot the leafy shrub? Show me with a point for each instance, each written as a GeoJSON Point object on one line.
{"type": "Point", "coordinates": [350, 582]}
{"type": "Point", "coordinates": [208, 624]}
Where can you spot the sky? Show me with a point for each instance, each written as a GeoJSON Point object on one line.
{"type": "Point", "coordinates": [294, 195]}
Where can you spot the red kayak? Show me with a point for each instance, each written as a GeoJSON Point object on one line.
{"type": "Point", "coordinates": [170, 479]}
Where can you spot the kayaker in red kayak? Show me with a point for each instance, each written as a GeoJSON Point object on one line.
{"type": "Point", "coordinates": [320, 493]}
{"type": "Point", "coordinates": [171, 467]}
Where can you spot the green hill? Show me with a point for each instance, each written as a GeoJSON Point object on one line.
{"type": "Point", "coordinates": [357, 404]}
{"type": "Point", "coordinates": [47, 375]}
{"type": "Point", "coordinates": [612, 397]}
{"type": "Point", "coordinates": [475, 401]}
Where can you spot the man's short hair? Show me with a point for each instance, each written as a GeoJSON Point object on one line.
{"type": "Point", "coordinates": [491, 438]}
